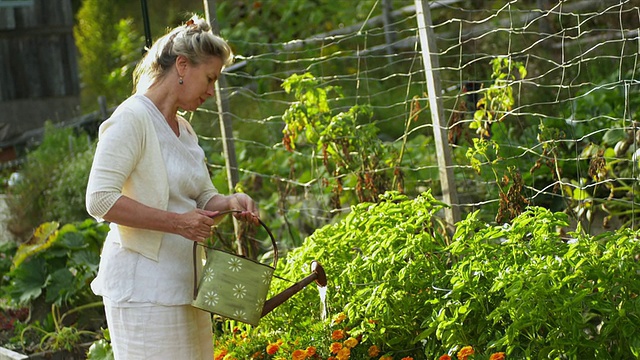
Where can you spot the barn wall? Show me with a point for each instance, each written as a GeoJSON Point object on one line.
{"type": "Point", "coordinates": [38, 66]}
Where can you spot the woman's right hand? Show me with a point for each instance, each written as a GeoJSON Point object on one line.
{"type": "Point", "coordinates": [195, 225]}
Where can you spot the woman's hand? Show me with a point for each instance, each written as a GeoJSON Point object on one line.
{"type": "Point", "coordinates": [248, 209]}
{"type": "Point", "coordinates": [195, 225]}
{"type": "Point", "coordinates": [244, 203]}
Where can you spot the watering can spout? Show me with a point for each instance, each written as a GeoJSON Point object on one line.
{"type": "Point", "coordinates": [317, 274]}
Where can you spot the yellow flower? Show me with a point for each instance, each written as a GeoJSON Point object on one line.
{"type": "Point", "coordinates": [339, 318]}
{"type": "Point", "coordinates": [335, 347]}
{"type": "Point", "coordinates": [465, 352]}
{"type": "Point", "coordinates": [497, 356]}
{"type": "Point", "coordinates": [351, 342]}
{"type": "Point", "coordinates": [386, 357]}
{"type": "Point", "coordinates": [337, 335]}
{"type": "Point", "coordinates": [343, 354]}
{"type": "Point", "coordinates": [374, 351]}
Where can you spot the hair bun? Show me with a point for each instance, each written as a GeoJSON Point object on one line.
{"type": "Point", "coordinates": [198, 24]}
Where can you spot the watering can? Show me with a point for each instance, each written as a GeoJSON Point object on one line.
{"type": "Point", "coordinates": [236, 287]}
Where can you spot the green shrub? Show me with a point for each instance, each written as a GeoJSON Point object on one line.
{"type": "Point", "coordinates": [56, 265]}
{"type": "Point", "coordinates": [382, 262]}
{"type": "Point", "coordinates": [49, 275]}
{"type": "Point", "coordinates": [67, 196]}
{"type": "Point", "coordinates": [523, 288]}
{"type": "Point", "coordinates": [53, 181]}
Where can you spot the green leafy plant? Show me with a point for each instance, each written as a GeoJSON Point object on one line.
{"type": "Point", "coordinates": [524, 289]}
{"type": "Point", "coordinates": [101, 349]}
{"type": "Point", "coordinates": [381, 262]}
{"type": "Point", "coordinates": [49, 277]}
{"type": "Point", "coordinates": [61, 337]}
{"type": "Point", "coordinates": [340, 139]}
{"type": "Point", "coordinates": [493, 107]}
{"type": "Point", "coordinates": [56, 265]}
{"type": "Point", "coordinates": [52, 182]}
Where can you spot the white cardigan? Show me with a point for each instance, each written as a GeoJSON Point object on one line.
{"type": "Point", "coordinates": [128, 161]}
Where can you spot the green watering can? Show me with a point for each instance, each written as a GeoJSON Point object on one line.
{"type": "Point", "coordinates": [236, 287]}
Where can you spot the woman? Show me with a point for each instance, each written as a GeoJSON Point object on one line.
{"type": "Point", "coordinates": [150, 181]}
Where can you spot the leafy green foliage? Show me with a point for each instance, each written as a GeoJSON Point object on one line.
{"type": "Point", "coordinates": [53, 181]}
{"type": "Point", "coordinates": [61, 336]}
{"type": "Point", "coordinates": [522, 288]}
{"type": "Point", "coordinates": [56, 266]}
{"type": "Point", "coordinates": [525, 289]}
{"type": "Point", "coordinates": [340, 138]}
{"type": "Point", "coordinates": [93, 32]}
{"type": "Point", "coordinates": [380, 262]}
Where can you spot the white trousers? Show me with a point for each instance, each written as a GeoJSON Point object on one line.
{"type": "Point", "coordinates": [159, 332]}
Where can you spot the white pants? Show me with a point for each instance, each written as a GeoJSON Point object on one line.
{"type": "Point", "coordinates": [159, 332]}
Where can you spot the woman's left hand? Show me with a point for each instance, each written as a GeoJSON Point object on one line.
{"type": "Point", "coordinates": [244, 203]}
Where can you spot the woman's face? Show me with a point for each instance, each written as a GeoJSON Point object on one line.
{"type": "Point", "coordinates": [199, 83]}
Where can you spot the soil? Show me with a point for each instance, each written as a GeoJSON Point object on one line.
{"type": "Point", "coordinates": [8, 320]}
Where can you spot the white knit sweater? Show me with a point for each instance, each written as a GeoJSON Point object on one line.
{"type": "Point", "coordinates": [128, 161]}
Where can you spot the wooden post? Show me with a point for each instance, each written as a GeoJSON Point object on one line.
{"type": "Point", "coordinates": [445, 163]}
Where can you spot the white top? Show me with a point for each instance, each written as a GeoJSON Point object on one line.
{"type": "Point", "coordinates": [127, 277]}
{"type": "Point", "coordinates": [129, 161]}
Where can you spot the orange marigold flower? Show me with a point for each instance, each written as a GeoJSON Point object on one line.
{"type": "Point", "coordinates": [335, 347]}
{"type": "Point", "coordinates": [299, 355]}
{"type": "Point", "coordinates": [340, 318]}
{"type": "Point", "coordinates": [337, 335]}
{"type": "Point", "coordinates": [331, 358]}
{"type": "Point", "coordinates": [497, 356]}
{"type": "Point", "coordinates": [311, 350]}
{"type": "Point", "coordinates": [350, 342]}
{"type": "Point", "coordinates": [219, 355]}
{"type": "Point", "coordinates": [373, 351]}
{"type": "Point", "coordinates": [445, 357]}
{"type": "Point", "coordinates": [273, 348]}
{"type": "Point", "coordinates": [407, 358]}
{"type": "Point", "coordinates": [343, 354]}
{"type": "Point", "coordinates": [465, 352]}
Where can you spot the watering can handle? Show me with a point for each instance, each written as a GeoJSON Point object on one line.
{"type": "Point", "coordinates": [271, 237]}
{"type": "Point", "coordinates": [195, 247]}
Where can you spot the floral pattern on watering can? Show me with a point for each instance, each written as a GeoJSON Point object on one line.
{"type": "Point", "coordinates": [233, 287]}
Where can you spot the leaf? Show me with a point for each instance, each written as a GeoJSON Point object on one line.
{"type": "Point", "coordinates": [44, 236]}
{"type": "Point", "coordinates": [28, 281]}
{"type": "Point", "coordinates": [579, 194]}
{"type": "Point", "coordinates": [612, 136]}
{"type": "Point", "coordinates": [60, 286]}
{"type": "Point", "coordinates": [72, 240]}
{"type": "Point", "coordinates": [100, 350]}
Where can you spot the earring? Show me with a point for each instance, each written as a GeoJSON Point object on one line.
{"type": "Point", "coordinates": [180, 81]}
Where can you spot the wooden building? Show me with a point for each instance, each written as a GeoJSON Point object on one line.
{"type": "Point", "coordinates": [38, 69]}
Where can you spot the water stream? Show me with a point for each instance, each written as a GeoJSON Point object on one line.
{"type": "Point", "coordinates": [322, 290]}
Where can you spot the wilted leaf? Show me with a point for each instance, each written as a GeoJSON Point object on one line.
{"type": "Point", "coordinates": [44, 236]}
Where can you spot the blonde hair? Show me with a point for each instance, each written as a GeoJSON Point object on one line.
{"type": "Point", "coordinates": [193, 40]}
